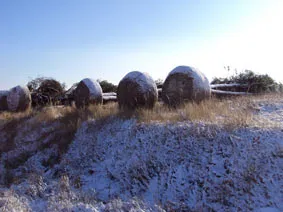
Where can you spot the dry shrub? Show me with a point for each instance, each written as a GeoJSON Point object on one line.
{"type": "Point", "coordinates": [9, 116]}
{"type": "Point", "coordinates": [52, 113]}
{"type": "Point", "coordinates": [103, 111]}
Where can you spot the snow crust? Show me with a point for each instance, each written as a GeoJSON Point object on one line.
{"type": "Point", "coordinates": [196, 164]}
{"type": "Point", "coordinates": [229, 92]}
{"type": "Point", "coordinates": [228, 85]}
{"type": "Point", "coordinates": [110, 98]}
{"type": "Point", "coordinates": [144, 80]}
{"type": "Point", "coordinates": [125, 165]}
{"type": "Point", "coordinates": [110, 94]}
{"type": "Point", "coordinates": [93, 86]}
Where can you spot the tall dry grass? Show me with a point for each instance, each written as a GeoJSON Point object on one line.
{"type": "Point", "coordinates": [234, 112]}
{"type": "Point", "coordinates": [231, 113]}
{"type": "Point", "coordinates": [69, 119]}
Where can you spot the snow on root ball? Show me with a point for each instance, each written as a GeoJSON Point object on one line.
{"type": "Point", "coordinates": [183, 84]}
{"type": "Point", "coordinates": [87, 92]}
{"type": "Point", "coordinates": [18, 99]}
{"type": "Point", "coordinates": [3, 100]}
{"type": "Point", "coordinates": [136, 90]}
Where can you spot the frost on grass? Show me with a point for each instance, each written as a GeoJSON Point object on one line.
{"type": "Point", "coordinates": [125, 165]}
{"type": "Point", "coordinates": [191, 165]}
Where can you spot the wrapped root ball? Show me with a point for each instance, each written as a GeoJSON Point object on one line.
{"type": "Point", "coordinates": [183, 84]}
{"type": "Point", "coordinates": [87, 92]}
{"type": "Point", "coordinates": [137, 90]}
{"type": "Point", "coordinates": [18, 99]}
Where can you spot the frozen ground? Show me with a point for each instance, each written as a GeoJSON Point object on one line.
{"type": "Point", "coordinates": [123, 165]}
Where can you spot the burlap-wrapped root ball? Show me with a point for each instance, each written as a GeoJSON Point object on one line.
{"type": "Point", "coordinates": [137, 90]}
{"type": "Point", "coordinates": [87, 92]}
{"type": "Point", "coordinates": [18, 99]}
{"type": "Point", "coordinates": [3, 100]}
{"type": "Point", "coordinates": [183, 84]}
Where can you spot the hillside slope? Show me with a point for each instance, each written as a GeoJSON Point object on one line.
{"type": "Point", "coordinates": [123, 164]}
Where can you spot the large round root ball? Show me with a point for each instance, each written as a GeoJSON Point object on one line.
{"type": "Point", "coordinates": [183, 84]}
{"type": "Point", "coordinates": [137, 90]}
{"type": "Point", "coordinates": [3, 100]}
{"type": "Point", "coordinates": [18, 99]}
{"type": "Point", "coordinates": [87, 92]}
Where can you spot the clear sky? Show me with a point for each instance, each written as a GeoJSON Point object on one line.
{"type": "Point", "coordinates": [105, 39]}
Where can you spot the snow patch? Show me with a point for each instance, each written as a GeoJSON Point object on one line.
{"type": "Point", "coordinates": [172, 164]}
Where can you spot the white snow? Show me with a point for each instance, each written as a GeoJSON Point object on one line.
{"type": "Point", "coordinates": [144, 80]}
{"type": "Point", "coordinates": [229, 92]}
{"type": "Point", "coordinates": [110, 98]}
{"type": "Point", "coordinates": [167, 163]}
{"type": "Point", "coordinates": [110, 94]}
{"type": "Point", "coordinates": [270, 114]}
{"type": "Point", "coordinates": [267, 209]}
{"type": "Point", "coordinates": [228, 85]}
{"type": "Point", "coordinates": [93, 86]}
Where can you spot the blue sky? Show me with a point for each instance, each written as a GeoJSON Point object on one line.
{"type": "Point", "coordinates": [71, 39]}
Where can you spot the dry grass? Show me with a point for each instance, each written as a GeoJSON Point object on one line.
{"type": "Point", "coordinates": [6, 117]}
{"type": "Point", "coordinates": [236, 112]}
{"type": "Point", "coordinates": [230, 113]}
{"type": "Point", "coordinates": [61, 124]}
{"type": "Point", "coordinates": [53, 113]}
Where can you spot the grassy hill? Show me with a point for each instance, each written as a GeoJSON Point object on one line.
{"type": "Point", "coordinates": [220, 155]}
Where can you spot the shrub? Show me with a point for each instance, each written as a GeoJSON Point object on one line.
{"type": "Point", "coordinates": [257, 83]}
{"type": "Point", "coordinates": [107, 87]}
{"type": "Point", "coordinates": [45, 90]}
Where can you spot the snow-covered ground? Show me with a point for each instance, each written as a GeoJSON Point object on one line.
{"type": "Point", "coordinates": [125, 165]}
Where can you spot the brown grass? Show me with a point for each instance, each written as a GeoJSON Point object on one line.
{"type": "Point", "coordinates": [231, 113]}
{"type": "Point", "coordinates": [234, 112]}
{"type": "Point", "coordinates": [69, 119]}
